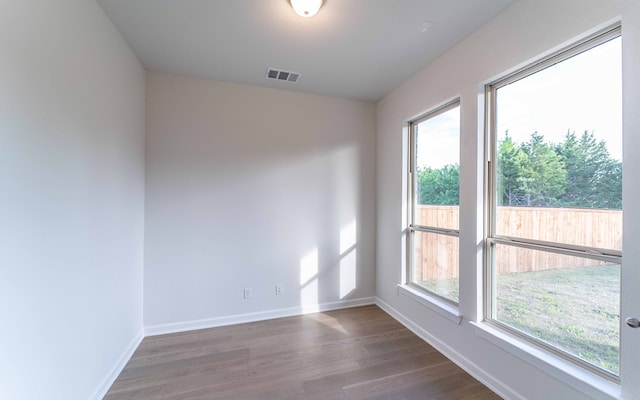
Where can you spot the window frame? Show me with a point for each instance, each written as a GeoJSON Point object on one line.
{"type": "Point", "coordinates": [491, 238]}
{"type": "Point", "coordinates": [412, 227]}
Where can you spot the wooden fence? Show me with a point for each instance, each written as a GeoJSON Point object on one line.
{"type": "Point", "coordinates": [437, 255]}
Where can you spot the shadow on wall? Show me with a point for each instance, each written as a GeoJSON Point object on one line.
{"type": "Point", "coordinates": [347, 270]}
{"type": "Point", "coordinates": [332, 267]}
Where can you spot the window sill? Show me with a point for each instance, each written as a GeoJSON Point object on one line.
{"type": "Point", "coordinates": [449, 311]}
{"type": "Point", "coordinates": [557, 367]}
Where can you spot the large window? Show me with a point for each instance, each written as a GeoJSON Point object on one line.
{"type": "Point", "coordinates": [554, 228]}
{"type": "Point", "coordinates": [434, 197]}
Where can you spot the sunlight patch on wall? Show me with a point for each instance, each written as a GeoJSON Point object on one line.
{"type": "Point", "coordinates": [309, 281]}
{"type": "Point", "coordinates": [347, 237]}
{"type": "Point", "coordinates": [348, 259]}
{"type": "Point", "coordinates": [347, 273]}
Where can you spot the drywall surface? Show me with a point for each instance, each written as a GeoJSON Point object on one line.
{"type": "Point", "coordinates": [522, 33]}
{"type": "Point", "coordinates": [248, 187]}
{"type": "Point", "coordinates": [631, 195]}
{"type": "Point", "coordinates": [71, 199]}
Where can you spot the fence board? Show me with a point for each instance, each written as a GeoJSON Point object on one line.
{"type": "Point", "coordinates": [437, 255]}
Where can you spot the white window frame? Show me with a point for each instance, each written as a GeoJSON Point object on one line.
{"type": "Point", "coordinates": [492, 238]}
{"type": "Point", "coordinates": [432, 299]}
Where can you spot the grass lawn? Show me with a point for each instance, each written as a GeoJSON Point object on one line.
{"type": "Point", "coordinates": [576, 310]}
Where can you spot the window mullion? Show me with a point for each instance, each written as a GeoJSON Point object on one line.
{"type": "Point", "coordinates": [441, 231]}
{"type": "Point", "coordinates": [576, 251]}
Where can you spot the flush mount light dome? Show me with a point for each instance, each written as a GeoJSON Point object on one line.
{"type": "Point", "coordinates": [306, 8]}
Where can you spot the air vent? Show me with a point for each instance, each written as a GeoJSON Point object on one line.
{"type": "Point", "coordinates": [281, 75]}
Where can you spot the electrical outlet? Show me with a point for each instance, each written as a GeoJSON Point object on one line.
{"type": "Point", "coordinates": [279, 290]}
{"type": "Point", "coordinates": [247, 293]}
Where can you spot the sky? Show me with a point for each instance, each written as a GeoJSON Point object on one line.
{"type": "Point", "coordinates": [557, 100]}
{"type": "Point", "coordinates": [439, 140]}
{"type": "Point", "coordinates": [550, 102]}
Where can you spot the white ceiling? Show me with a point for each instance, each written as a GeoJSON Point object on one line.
{"type": "Point", "coordinates": [352, 48]}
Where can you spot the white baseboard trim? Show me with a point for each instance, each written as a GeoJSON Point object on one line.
{"type": "Point", "coordinates": [163, 329]}
{"type": "Point", "coordinates": [471, 368]}
{"type": "Point", "coordinates": [118, 367]}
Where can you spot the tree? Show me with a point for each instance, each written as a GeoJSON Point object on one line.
{"type": "Point", "coordinates": [439, 186]}
{"type": "Point", "coordinates": [545, 176]}
{"type": "Point", "coordinates": [610, 187]}
{"type": "Point", "coordinates": [594, 179]}
{"type": "Point", "coordinates": [511, 166]}
{"type": "Point", "coordinates": [578, 172]}
{"type": "Point", "coordinates": [529, 174]}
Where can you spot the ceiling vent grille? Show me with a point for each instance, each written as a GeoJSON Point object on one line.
{"type": "Point", "coordinates": [280, 75]}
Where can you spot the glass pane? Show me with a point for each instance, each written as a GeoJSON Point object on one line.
{"type": "Point", "coordinates": [435, 263]}
{"type": "Point", "coordinates": [568, 302]}
{"type": "Point", "coordinates": [559, 152]}
{"type": "Point", "coordinates": [438, 170]}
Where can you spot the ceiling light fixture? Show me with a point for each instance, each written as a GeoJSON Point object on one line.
{"type": "Point", "coordinates": [306, 8]}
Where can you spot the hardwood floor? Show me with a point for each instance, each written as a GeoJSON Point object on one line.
{"type": "Point", "coordinates": [353, 354]}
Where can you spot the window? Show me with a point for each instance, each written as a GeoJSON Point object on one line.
{"type": "Point", "coordinates": [434, 197]}
{"type": "Point", "coordinates": [554, 227]}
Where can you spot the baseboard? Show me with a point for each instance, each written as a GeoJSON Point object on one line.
{"type": "Point", "coordinates": [470, 367]}
{"type": "Point", "coordinates": [118, 367]}
{"type": "Point", "coordinates": [163, 329]}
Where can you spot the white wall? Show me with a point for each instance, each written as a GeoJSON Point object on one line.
{"type": "Point", "coordinates": [253, 187]}
{"type": "Point", "coordinates": [525, 31]}
{"type": "Point", "coordinates": [71, 199]}
{"type": "Point", "coordinates": [630, 272]}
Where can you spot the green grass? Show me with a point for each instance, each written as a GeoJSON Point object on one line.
{"type": "Point", "coordinates": [576, 310]}
{"type": "Point", "coordinates": [444, 287]}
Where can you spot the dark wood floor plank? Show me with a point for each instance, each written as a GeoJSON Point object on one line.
{"type": "Point", "coordinates": [438, 378]}
{"type": "Point", "coordinates": [352, 354]}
